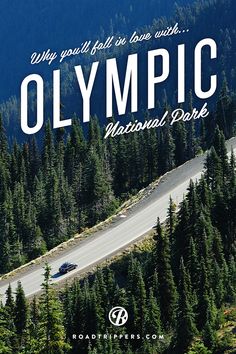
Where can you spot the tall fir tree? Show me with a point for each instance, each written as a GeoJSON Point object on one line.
{"type": "Point", "coordinates": [51, 335]}
{"type": "Point", "coordinates": [21, 313]}
{"type": "Point", "coordinates": [185, 327]}
{"type": "Point", "coordinates": [167, 288]}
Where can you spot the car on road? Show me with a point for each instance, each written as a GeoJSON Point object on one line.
{"type": "Point", "coordinates": [67, 267]}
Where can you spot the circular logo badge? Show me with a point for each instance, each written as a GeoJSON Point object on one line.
{"type": "Point", "coordinates": [118, 316]}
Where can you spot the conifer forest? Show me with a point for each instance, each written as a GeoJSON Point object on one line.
{"type": "Point", "coordinates": [179, 284]}
{"type": "Point", "coordinates": [181, 287]}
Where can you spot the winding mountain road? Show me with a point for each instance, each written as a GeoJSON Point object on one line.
{"type": "Point", "coordinates": [138, 221]}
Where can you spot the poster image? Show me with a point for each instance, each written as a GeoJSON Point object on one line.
{"type": "Point", "coordinates": [118, 177]}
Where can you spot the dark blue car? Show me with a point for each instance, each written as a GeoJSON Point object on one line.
{"type": "Point", "coordinates": [67, 267]}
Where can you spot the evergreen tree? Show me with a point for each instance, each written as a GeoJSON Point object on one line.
{"type": "Point", "coordinates": [181, 235]}
{"type": "Point", "coordinates": [204, 304]}
{"type": "Point", "coordinates": [167, 289]}
{"type": "Point", "coordinates": [152, 321]}
{"type": "Point", "coordinates": [221, 151]}
{"type": "Point", "coordinates": [3, 141]}
{"type": "Point", "coordinates": [209, 335]}
{"type": "Point", "coordinates": [171, 221]}
{"type": "Point", "coordinates": [166, 149]}
{"type": "Point", "coordinates": [48, 150]}
{"type": "Point", "coordinates": [8, 236]}
{"type": "Point", "coordinates": [51, 335]}
{"type": "Point", "coordinates": [149, 146]}
{"type": "Point", "coordinates": [193, 263]}
{"type": "Point", "coordinates": [54, 220]}
{"type": "Point", "coordinates": [140, 296]}
{"type": "Point", "coordinates": [6, 335]}
{"type": "Point", "coordinates": [121, 169]}
{"type": "Point", "coordinates": [95, 136]}
{"type": "Point", "coordinates": [191, 139]}
{"type": "Point", "coordinates": [213, 170]}
{"type": "Point", "coordinates": [8, 317]}
{"type": "Point", "coordinates": [21, 312]}
{"type": "Point", "coordinates": [224, 109]}
{"type": "Point", "coordinates": [10, 302]}
{"type": "Point", "coordinates": [179, 134]}
{"type": "Point", "coordinates": [98, 196]}
{"type": "Point", "coordinates": [34, 313]}
{"type": "Point", "coordinates": [186, 328]}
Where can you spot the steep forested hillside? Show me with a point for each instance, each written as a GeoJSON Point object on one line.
{"type": "Point", "coordinates": [181, 287]}
{"type": "Point", "coordinates": [71, 182]}
{"type": "Point", "coordinates": [182, 284]}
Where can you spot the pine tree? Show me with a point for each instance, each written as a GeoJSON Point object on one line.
{"type": "Point", "coordinates": [111, 148]}
{"type": "Point", "coordinates": [155, 287]}
{"type": "Point", "coordinates": [191, 139]}
{"type": "Point", "coordinates": [95, 137]}
{"type": "Point", "coordinates": [217, 247]}
{"type": "Point", "coordinates": [21, 312]}
{"type": "Point", "coordinates": [132, 324]}
{"type": "Point", "coordinates": [54, 220]}
{"type": "Point", "coordinates": [204, 195]}
{"type": "Point", "coordinates": [8, 237]}
{"type": "Point", "coordinates": [121, 297]}
{"type": "Point", "coordinates": [181, 235]}
{"type": "Point", "coordinates": [221, 151]}
{"type": "Point", "coordinates": [193, 264]}
{"type": "Point", "coordinates": [48, 150]}
{"type": "Point", "coordinates": [213, 170]}
{"type": "Point", "coordinates": [9, 310]}
{"type": "Point", "coordinates": [95, 312]}
{"type": "Point", "coordinates": [204, 235]}
{"type": "Point", "coordinates": [166, 150]}
{"type": "Point", "coordinates": [34, 316]}
{"type": "Point", "coordinates": [34, 160]}
{"type": "Point", "coordinates": [69, 209]}
{"type": "Point", "coordinates": [206, 307]}
{"type": "Point", "coordinates": [171, 221]}
{"type": "Point", "coordinates": [152, 321]}
{"type": "Point", "coordinates": [167, 289]}
{"type": "Point", "coordinates": [6, 335]}
{"type": "Point", "coordinates": [15, 157]}
{"type": "Point", "coordinates": [101, 290]}
{"type": "Point", "coordinates": [185, 329]}
{"type": "Point", "coordinates": [136, 161]}
{"type": "Point", "coordinates": [98, 197]}
{"type": "Point", "coordinates": [140, 296]}
{"type": "Point", "coordinates": [75, 151]}
{"type": "Point", "coordinates": [121, 169]}
{"type": "Point", "coordinates": [193, 205]}
{"type": "Point", "coordinates": [179, 134]}
{"type": "Point", "coordinates": [3, 141]}
{"type": "Point", "coordinates": [150, 151]}
{"type": "Point", "coordinates": [224, 109]}
{"type": "Point", "coordinates": [209, 335]}
{"type": "Point", "coordinates": [111, 285]}
{"type": "Point", "coordinates": [232, 172]}
{"type": "Point", "coordinates": [218, 286]}
{"type": "Point", "coordinates": [133, 267]}
{"type": "Point", "coordinates": [10, 302]}
{"type": "Point", "coordinates": [68, 311]}
{"type": "Point", "coordinates": [230, 284]}
{"type": "Point", "coordinates": [51, 336]}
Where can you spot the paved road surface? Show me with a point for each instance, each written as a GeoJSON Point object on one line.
{"type": "Point", "coordinates": [104, 243]}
